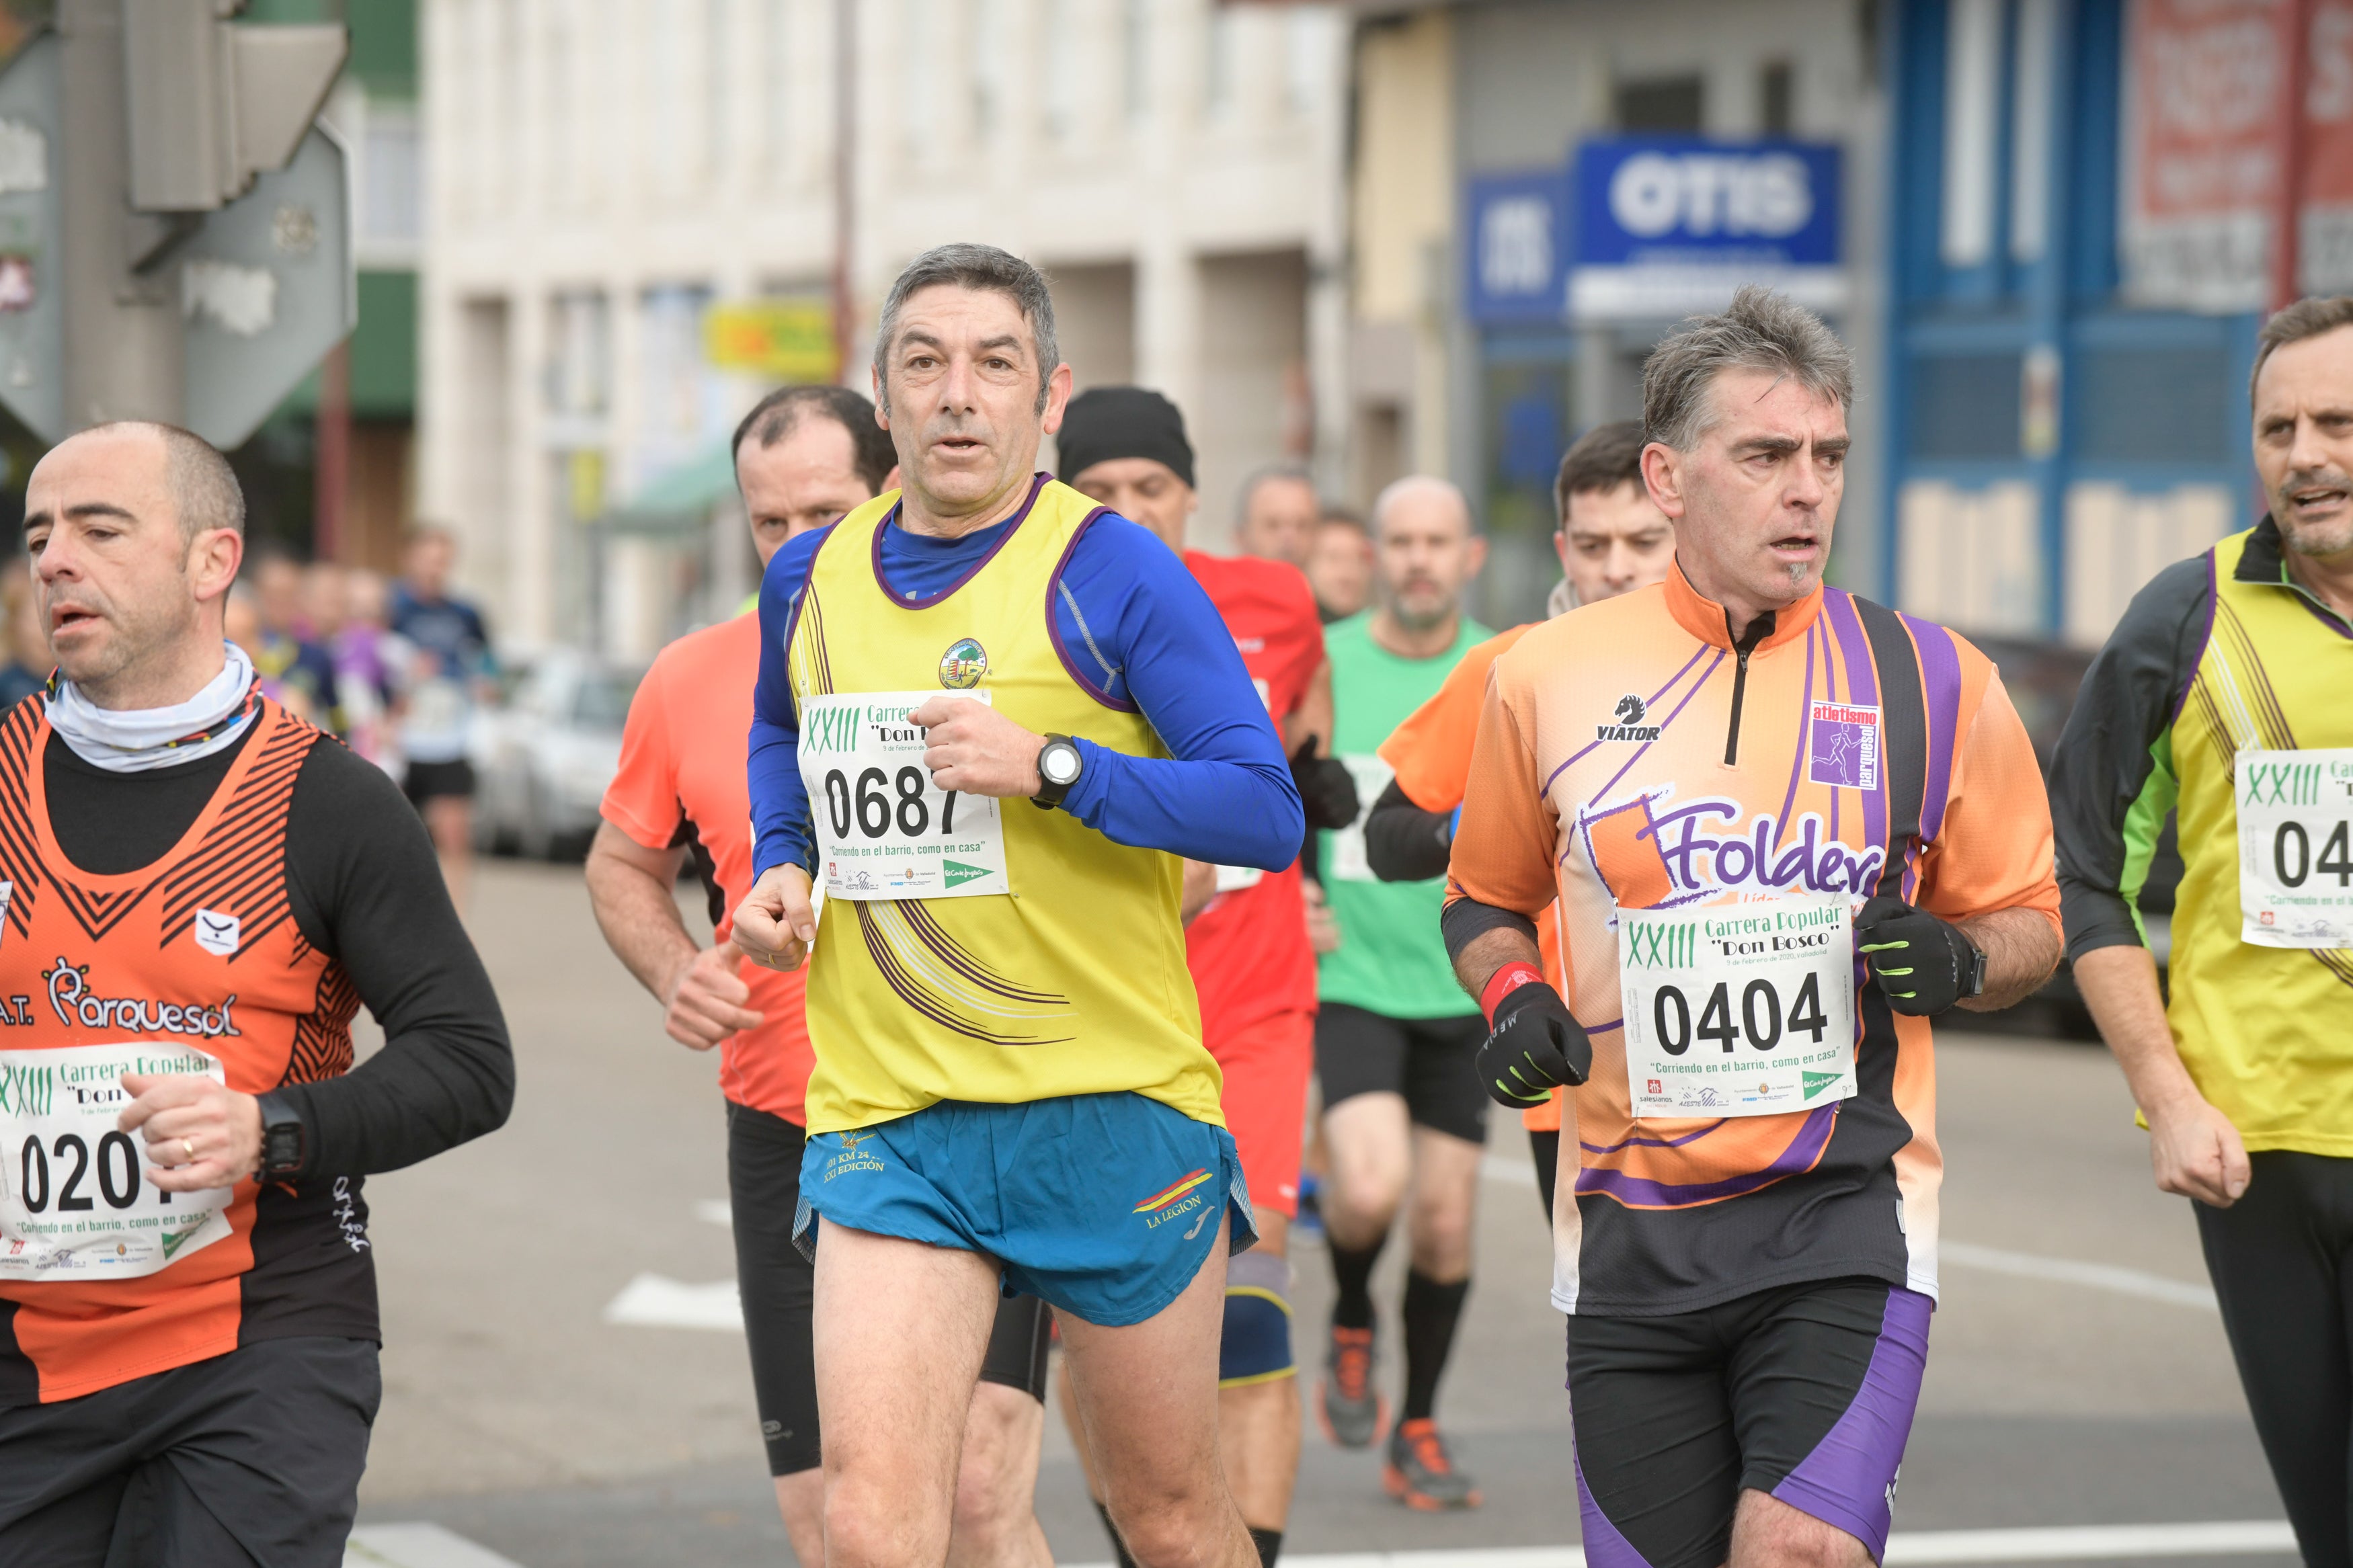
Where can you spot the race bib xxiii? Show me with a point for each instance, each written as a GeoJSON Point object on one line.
{"type": "Point", "coordinates": [2295, 848]}
{"type": "Point", "coordinates": [1742, 1009]}
{"type": "Point", "coordinates": [75, 1200]}
{"type": "Point", "coordinates": [883, 829]}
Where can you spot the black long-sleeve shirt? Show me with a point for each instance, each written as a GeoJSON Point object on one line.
{"type": "Point", "coordinates": [367, 889]}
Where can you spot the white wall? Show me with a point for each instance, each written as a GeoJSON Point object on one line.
{"type": "Point", "coordinates": [618, 147]}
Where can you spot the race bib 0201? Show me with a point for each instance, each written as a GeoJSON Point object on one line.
{"type": "Point", "coordinates": [1738, 1009]}
{"type": "Point", "coordinates": [75, 1200]}
{"type": "Point", "coordinates": [2295, 848]}
{"type": "Point", "coordinates": [1372, 776]}
{"type": "Point", "coordinates": [883, 829]}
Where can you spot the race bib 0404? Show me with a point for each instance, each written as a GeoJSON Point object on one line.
{"type": "Point", "coordinates": [883, 829]}
{"type": "Point", "coordinates": [75, 1201]}
{"type": "Point", "coordinates": [1738, 1009]}
{"type": "Point", "coordinates": [2295, 848]}
{"type": "Point", "coordinates": [1371, 776]}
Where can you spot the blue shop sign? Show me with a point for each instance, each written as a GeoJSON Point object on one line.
{"type": "Point", "coordinates": [1668, 225]}
{"type": "Point", "coordinates": [1516, 268]}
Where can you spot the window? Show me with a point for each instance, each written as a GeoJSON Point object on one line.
{"type": "Point", "coordinates": [921, 54]}
{"type": "Point", "coordinates": [1309, 50]}
{"type": "Point", "coordinates": [390, 185]}
{"type": "Point", "coordinates": [1061, 95]}
{"type": "Point", "coordinates": [988, 65]}
{"type": "Point", "coordinates": [2154, 405]}
{"type": "Point", "coordinates": [1135, 58]}
{"type": "Point", "coordinates": [2035, 65]}
{"type": "Point", "coordinates": [1966, 406]}
{"type": "Point", "coordinates": [1219, 68]}
{"type": "Point", "coordinates": [1777, 92]}
{"type": "Point", "coordinates": [718, 74]}
{"type": "Point", "coordinates": [1972, 94]}
{"type": "Point", "coordinates": [1663, 103]}
{"type": "Point", "coordinates": [776, 102]}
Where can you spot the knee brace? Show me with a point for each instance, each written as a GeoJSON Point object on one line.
{"type": "Point", "coordinates": [1256, 1345]}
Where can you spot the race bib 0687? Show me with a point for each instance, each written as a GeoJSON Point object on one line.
{"type": "Point", "coordinates": [883, 829]}
{"type": "Point", "coordinates": [1738, 1009]}
{"type": "Point", "coordinates": [75, 1201]}
{"type": "Point", "coordinates": [2295, 848]}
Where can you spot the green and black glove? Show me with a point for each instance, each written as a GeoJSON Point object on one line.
{"type": "Point", "coordinates": [1534, 1044]}
{"type": "Point", "coordinates": [1921, 964]}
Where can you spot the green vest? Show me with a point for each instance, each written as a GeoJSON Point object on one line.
{"type": "Point", "coordinates": [1391, 959]}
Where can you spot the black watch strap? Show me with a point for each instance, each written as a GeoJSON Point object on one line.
{"type": "Point", "coordinates": [285, 1136]}
{"type": "Point", "coordinates": [1973, 982]}
{"type": "Point", "coordinates": [1049, 793]}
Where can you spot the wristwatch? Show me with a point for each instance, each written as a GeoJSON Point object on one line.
{"type": "Point", "coordinates": [284, 1140]}
{"type": "Point", "coordinates": [1059, 766]}
{"type": "Point", "coordinates": [1973, 981]}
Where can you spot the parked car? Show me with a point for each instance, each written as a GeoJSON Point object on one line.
{"type": "Point", "coordinates": [544, 757]}
{"type": "Point", "coordinates": [2042, 678]}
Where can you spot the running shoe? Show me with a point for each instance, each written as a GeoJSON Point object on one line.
{"type": "Point", "coordinates": [1419, 1475]}
{"type": "Point", "coordinates": [1354, 1412]}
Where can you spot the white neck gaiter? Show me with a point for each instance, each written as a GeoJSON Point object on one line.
{"type": "Point", "coordinates": [132, 740]}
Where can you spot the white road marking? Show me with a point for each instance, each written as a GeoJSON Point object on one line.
{"type": "Point", "coordinates": [416, 1546]}
{"type": "Point", "coordinates": [1994, 1260]}
{"type": "Point", "coordinates": [2060, 1544]}
{"type": "Point", "coordinates": [655, 1301]}
{"type": "Point", "coordinates": [710, 1211]}
{"type": "Point", "coordinates": [2071, 1271]}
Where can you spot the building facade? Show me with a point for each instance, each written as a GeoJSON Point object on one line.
{"type": "Point", "coordinates": [2087, 198]}
{"type": "Point", "coordinates": [1502, 305]}
{"type": "Point", "coordinates": [612, 171]}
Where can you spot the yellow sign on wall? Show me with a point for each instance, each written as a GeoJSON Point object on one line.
{"type": "Point", "coordinates": [783, 340]}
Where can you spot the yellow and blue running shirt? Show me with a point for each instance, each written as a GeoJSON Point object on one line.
{"type": "Point", "coordinates": [1079, 623]}
{"type": "Point", "coordinates": [2220, 655]}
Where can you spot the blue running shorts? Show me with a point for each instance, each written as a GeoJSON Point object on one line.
{"type": "Point", "coordinates": [1103, 1205]}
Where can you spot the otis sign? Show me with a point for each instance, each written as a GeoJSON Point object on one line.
{"type": "Point", "coordinates": [1667, 226]}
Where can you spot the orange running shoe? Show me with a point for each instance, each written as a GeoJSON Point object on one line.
{"type": "Point", "coordinates": [1352, 1412]}
{"type": "Point", "coordinates": [1419, 1475]}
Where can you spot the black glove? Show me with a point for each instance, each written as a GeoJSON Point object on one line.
{"type": "Point", "coordinates": [1535, 1046]}
{"type": "Point", "coordinates": [1922, 964]}
{"type": "Point", "coordinates": [1326, 787]}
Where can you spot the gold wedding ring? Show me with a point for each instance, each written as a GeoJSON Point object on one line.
{"type": "Point", "coordinates": [190, 1146]}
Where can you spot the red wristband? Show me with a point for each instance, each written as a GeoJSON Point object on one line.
{"type": "Point", "coordinates": [1505, 981]}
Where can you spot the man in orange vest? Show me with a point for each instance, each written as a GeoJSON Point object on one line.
{"type": "Point", "coordinates": [197, 891]}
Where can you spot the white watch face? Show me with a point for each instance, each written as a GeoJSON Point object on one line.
{"type": "Point", "coordinates": [1059, 764]}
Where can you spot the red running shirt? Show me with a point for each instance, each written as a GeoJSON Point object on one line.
{"type": "Point", "coordinates": [683, 782]}
{"type": "Point", "coordinates": [1248, 950]}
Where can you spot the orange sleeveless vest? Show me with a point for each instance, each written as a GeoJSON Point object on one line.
{"type": "Point", "coordinates": [199, 948]}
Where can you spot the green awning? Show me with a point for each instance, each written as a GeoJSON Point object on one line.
{"type": "Point", "coordinates": [682, 493]}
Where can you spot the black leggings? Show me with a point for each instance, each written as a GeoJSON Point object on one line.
{"type": "Point", "coordinates": [2282, 1261]}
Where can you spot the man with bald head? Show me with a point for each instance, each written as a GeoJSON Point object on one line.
{"type": "Point", "coordinates": [198, 896]}
{"type": "Point", "coordinates": [1395, 1036]}
{"type": "Point", "coordinates": [1279, 515]}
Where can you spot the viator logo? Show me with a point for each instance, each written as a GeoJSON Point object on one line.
{"type": "Point", "coordinates": [1631, 711]}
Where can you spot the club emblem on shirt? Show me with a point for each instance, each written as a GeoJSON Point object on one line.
{"type": "Point", "coordinates": [1631, 711]}
{"type": "Point", "coordinates": [963, 665]}
{"type": "Point", "coordinates": [216, 933]}
{"type": "Point", "coordinates": [1842, 745]}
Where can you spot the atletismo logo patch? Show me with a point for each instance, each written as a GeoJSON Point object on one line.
{"type": "Point", "coordinates": [1842, 745]}
{"type": "Point", "coordinates": [1631, 711]}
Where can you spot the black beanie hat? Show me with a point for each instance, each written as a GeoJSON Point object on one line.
{"type": "Point", "coordinates": [1108, 422]}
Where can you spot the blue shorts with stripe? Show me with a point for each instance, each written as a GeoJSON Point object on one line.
{"type": "Point", "coordinates": [1103, 1205]}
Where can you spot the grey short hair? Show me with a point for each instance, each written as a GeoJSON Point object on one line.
{"type": "Point", "coordinates": [1272, 473]}
{"type": "Point", "coordinates": [203, 487]}
{"type": "Point", "coordinates": [980, 267]}
{"type": "Point", "coordinates": [2305, 318]}
{"type": "Point", "coordinates": [1761, 331]}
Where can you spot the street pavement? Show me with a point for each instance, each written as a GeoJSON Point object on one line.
{"type": "Point", "coordinates": [2078, 1374]}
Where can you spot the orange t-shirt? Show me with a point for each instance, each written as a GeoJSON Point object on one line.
{"type": "Point", "coordinates": [1608, 771]}
{"type": "Point", "coordinates": [1430, 754]}
{"type": "Point", "coordinates": [681, 782]}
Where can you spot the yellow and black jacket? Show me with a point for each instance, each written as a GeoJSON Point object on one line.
{"type": "Point", "coordinates": [2219, 654]}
